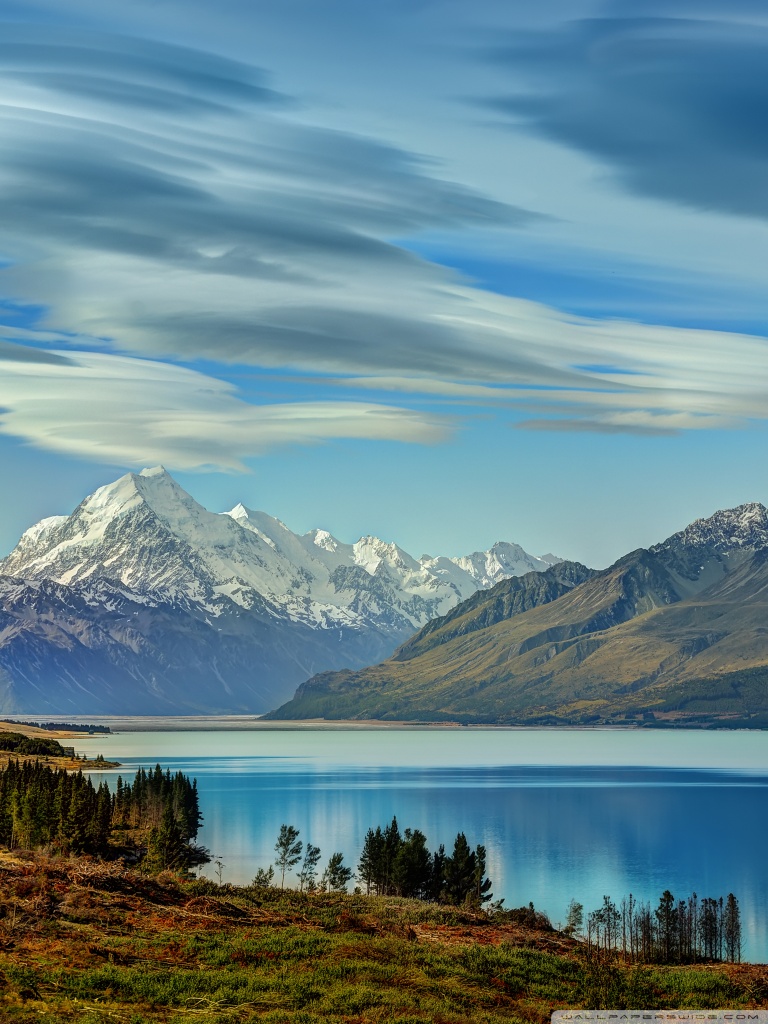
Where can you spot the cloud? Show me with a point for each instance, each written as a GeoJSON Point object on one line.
{"type": "Point", "coordinates": [675, 101]}
{"type": "Point", "coordinates": [10, 353]}
{"type": "Point", "coordinates": [125, 411]}
{"type": "Point", "coordinates": [213, 224]}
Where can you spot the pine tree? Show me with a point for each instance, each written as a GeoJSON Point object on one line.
{"type": "Point", "coordinates": [412, 868]}
{"type": "Point", "coordinates": [370, 869]}
{"type": "Point", "coordinates": [481, 892]}
{"type": "Point", "coordinates": [459, 871]}
{"type": "Point", "coordinates": [732, 929]}
{"type": "Point", "coordinates": [308, 871]}
{"type": "Point", "coordinates": [288, 848]}
{"type": "Point", "coordinates": [336, 875]}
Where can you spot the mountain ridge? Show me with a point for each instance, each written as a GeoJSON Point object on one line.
{"type": "Point", "coordinates": [606, 649]}
{"type": "Point", "coordinates": [140, 551]}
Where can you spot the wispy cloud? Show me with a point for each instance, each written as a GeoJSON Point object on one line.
{"type": "Point", "coordinates": [125, 411]}
{"type": "Point", "coordinates": [672, 96]}
{"type": "Point", "coordinates": [168, 204]}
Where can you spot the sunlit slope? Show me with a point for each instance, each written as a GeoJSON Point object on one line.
{"type": "Point", "coordinates": [651, 636]}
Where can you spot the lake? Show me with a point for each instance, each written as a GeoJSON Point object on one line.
{"type": "Point", "coordinates": [562, 813]}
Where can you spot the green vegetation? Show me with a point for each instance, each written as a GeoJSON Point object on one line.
{"type": "Point", "coordinates": [618, 647]}
{"type": "Point", "coordinates": [156, 817]}
{"type": "Point", "coordinates": [93, 943]}
{"type": "Point", "coordinates": [391, 864]}
{"type": "Point", "coordinates": [61, 726]}
{"type": "Point", "coordinates": [16, 743]}
{"type": "Point", "coordinates": [401, 865]}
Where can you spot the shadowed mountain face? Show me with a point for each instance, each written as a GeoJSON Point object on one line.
{"type": "Point", "coordinates": [142, 601]}
{"type": "Point", "coordinates": [675, 633]}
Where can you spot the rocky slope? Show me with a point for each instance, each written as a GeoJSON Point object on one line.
{"type": "Point", "coordinates": [673, 633]}
{"type": "Point", "coordinates": [142, 601]}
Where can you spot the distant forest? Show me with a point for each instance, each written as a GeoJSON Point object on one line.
{"type": "Point", "coordinates": [156, 817]}
{"type": "Point", "coordinates": [17, 743]}
{"type": "Point", "coordinates": [60, 726]}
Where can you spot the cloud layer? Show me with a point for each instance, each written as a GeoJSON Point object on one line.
{"type": "Point", "coordinates": [163, 203]}
{"type": "Point", "coordinates": [124, 411]}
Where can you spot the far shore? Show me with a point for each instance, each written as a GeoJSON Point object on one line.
{"type": "Point", "coordinates": [224, 723]}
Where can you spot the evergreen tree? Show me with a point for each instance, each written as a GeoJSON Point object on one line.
{"type": "Point", "coordinates": [288, 848]}
{"type": "Point", "coordinates": [308, 871]}
{"type": "Point", "coordinates": [459, 871]}
{"type": "Point", "coordinates": [370, 869]}
{"type": "Point", "coordinates": [437, 881]}
{"type": "Point", "coordinates": [732, 929]}
{"type": "Point", "coordinates": [574, 921]}
{"type": "Point", "coordinates": [336, 875]}
{"type": "Point", "coordinates": [412, 868]}
{"type": "Point", "coordinates": [667, 926]}
{"type": "Point", "coordinates": [481, 892]}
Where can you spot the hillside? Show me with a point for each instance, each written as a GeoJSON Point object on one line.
{"type": "Point", "coordinates": [90, 942]}
{"type": "Point", "coordinates": [676, 633]}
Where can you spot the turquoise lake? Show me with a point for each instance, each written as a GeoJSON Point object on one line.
{"type": "Point", "coordinates": [562, 813]}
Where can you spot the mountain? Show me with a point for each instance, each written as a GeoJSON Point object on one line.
{"type": "Point", "coordinates": [143, 601]}
{"type": "Point", "coordinates": [677, 633]}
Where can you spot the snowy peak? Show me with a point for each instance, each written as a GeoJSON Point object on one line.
{"type": "Point", "coordinates": [371, 553]}
{"type": "Point", "coordinates": [145, 534]}
{"type": "Point", "coordinates": [324, 540]}
{"type": "Point", "coordinates": [502, 561]}
{"type": "Point", "coordinates": [727, 531]}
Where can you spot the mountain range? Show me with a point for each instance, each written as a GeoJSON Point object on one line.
{"type": "Point", "coordinates": [143, 602]}
{"type": "Point", "coordinates": [673, 634]}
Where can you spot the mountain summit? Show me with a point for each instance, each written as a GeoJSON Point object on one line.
{"type": "Point", "coordinates": [141, 590]}
{"type": "Point", "coordinates": [675, 633]}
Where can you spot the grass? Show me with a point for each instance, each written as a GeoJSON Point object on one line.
{"type": "Point", "coordinates": [89, 943]}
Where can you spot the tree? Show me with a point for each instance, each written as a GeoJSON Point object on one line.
{"type": "Point", "coordinates": [412, 868]}
{"type": "Point", "coordinates": [732, 929]}
{"type": "Point", "coordinates": [288, 848]}
{"type": "Point", "coordinates": [574, 922]}
{"type": "Point", "coordinates": [336, 875]}
{"type": "Point", "coordinates": [165, 848]}
{"type": "Point", "coordinates": [667, 927]}
{"type": "Point", "coordinates": [263, 878]}
{"type": "Point", "coordinates": [370, 869]}
{"type": "Point", "coordinates": [459, 871]}
{"type": "Point", "coordinates": [481, 890]}
{"type": "Point", "coordinates": [437, 882]}
{"type": "Point", "coordinates": [392, 843]}
{"type": "Point", "coordinates": [308, 871]}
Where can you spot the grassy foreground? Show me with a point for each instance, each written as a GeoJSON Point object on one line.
{"type": "Point", "coordinates": [88, 942]}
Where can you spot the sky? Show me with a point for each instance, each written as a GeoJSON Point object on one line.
{"type": "Point", "coordinates": [446, 273]}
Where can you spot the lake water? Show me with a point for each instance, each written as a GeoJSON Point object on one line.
{"type": "Point", "coordinates": [562, 813]}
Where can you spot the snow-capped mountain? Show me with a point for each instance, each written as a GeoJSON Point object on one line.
{"type": "Point", "coordinates": [147, 534]}
{"type": "Point", "coordinates": [142, 547]}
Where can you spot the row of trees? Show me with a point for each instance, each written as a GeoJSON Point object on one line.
{"type": "Point", "coordinates": [18, 743]}
{"type": "Point", "coordinates": [60, 726]}
{"type": "Point", "coordinates": [41, 806]}
{"type": "Point", "coordinates": [676, 931]}
{"type": "Point", "coordinates": [391, 864]}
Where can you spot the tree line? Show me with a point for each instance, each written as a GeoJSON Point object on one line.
{"type": "Point", "coordinates": [676, 931]}
{"type": "Point", "coordinates": [42, 806]}
{"type": "Point", "coordinates": [61, 726]}
{"type": "Point", "coordinates": [17, 743]}
{"type": "Point", "coordinates": [392, 863]}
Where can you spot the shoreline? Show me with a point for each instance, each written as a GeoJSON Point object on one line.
{"type": "Point", "coordinates": [248, 722]}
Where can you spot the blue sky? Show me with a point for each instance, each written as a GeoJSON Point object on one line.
{"type": "Point", "coordinates": [442, 272]}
